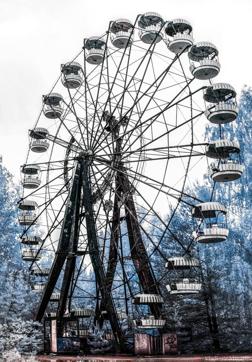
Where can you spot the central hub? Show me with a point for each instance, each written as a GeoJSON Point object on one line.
{"type": "Point", "coordinates": [87, 154]}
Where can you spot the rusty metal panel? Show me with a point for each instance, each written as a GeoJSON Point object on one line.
{"type": "Point", "coordinates": [170, 343]}
{"type": "Point", "coordinates": [142, 344]}
{"type": "Point", "coordinates": [156, 344]}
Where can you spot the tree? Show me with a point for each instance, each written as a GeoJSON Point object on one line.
{"type": "Point", "coordinates": [232, 259]}
{"type": "Point", "coordinates": [226, 266]}
{"type": "Point", "coordinates": [18, 332]}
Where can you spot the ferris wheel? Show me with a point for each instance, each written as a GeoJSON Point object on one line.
{"type": "Point", "coordinates": [112, 156]}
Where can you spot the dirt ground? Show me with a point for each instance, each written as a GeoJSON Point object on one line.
{"type": "Point", "coordinates": [216, 358]}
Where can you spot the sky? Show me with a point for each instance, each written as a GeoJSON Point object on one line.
{"type": "Point", "coordinates": [36, 36]}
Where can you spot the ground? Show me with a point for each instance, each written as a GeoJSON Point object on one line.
{"type": "Point", "coordinates": [216, 358]}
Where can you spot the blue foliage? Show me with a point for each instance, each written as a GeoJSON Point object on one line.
{"type": "Point", "coordinates": [226, 266]}
{"type": "Point", "coordinates": [18, 332]}
{"type": "Point", "coordinates": [229, 264]}
{"type": "Point", "coordinates": [10, 229]}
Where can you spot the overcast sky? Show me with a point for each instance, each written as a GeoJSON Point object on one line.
{"type": "Point", "coordinates": [36, 36]}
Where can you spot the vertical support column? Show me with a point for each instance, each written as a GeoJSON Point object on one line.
{"type": "Point", "coordinates": [73, 246]}
{"type": "Point", "coordinates": [63, 245]}
{"type": "Point", "coordinates": [115, 228]}
{"type": "Point", "coordinates": [138, 251]}
{"type": "Point", "coordinates": [113, 253]}
{"type": "Point", "coordinates": [96, 258]}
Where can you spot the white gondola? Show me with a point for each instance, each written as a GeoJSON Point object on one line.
{"type": "Point", "coordinates": [179, 32]}
{"type": "Point", "coordinates": [149, 322]}
{"type": "Point", "coordinates": [30, 255]}
{"type": "Point", "coordinates": [27, 218]}
{"type": "Point", "coordinates": [121, 33]}
{"type": "Point", "coordinates": [55, 297]}
{"type": "Point", "coordinates": [30, 169]}
{"type": "Point", "coordinates": [27, 214]}
{"type": "Point", "coordinates": [31, 240]}
{"type": "Point", "coordinates": [182, 263]}
{"type": "Point", "coordinates": [31, 178]}
{"type": "Point", "coordinates": [222, 105]}
{"type": "Point", "coordinates": [53, 105]}
{"type": "Point", "coordinates": [184, 286]}
{"type": "Point", "coordinates": [31, 182]}
{"type": "Point", "coordinates": [38, 287]}
{"type": "Point", "coordinates": [204, 60]}
{"type": "Point", "coordinates": [213, 234]}
{"type": "Point", "coordinates": [222, 148]}
{"type": "Point", "coordinates": [150, 28]}
{"type": "Point", "coordinates": [219, 92]}
{"type": "Point", "coordinates": [147, 299]}
{"type": "Point", "coordinates": [221, 113]}
{"type": "Point", "coordinates": [226, 171]}
{"type": "Point", "coordinates": [39, 142]}
{"type": "Point", "coordinates": [41, 272]}
{"type": "Point", "coordinates": [229, 166]}
{"type": "Point", "coordinates": [72, 75]}
{"type": "Point", "coordinates": [95, 47]}
{"type": "Point", "coordinates": [208, 210]}
{"type": "Point", "coordinates": [27, 205]}
{"type": "Point", "coordinates": [39, 146]}
{"type": "Point", "coordinates": [84, 312]}
{"type": "Point", "coordinates": [212, 227]}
